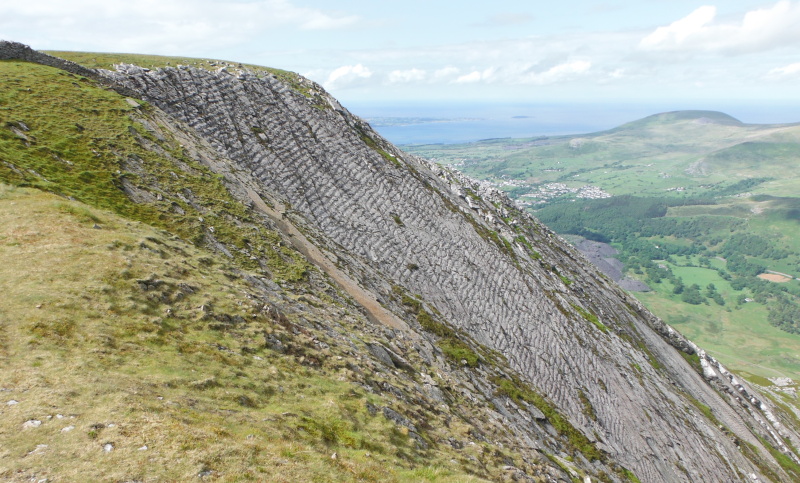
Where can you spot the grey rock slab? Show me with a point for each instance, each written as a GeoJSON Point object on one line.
{"type": "Point", "coordinates": [532, 308]}
{"type": "Point", "coordinates": [32, 423]}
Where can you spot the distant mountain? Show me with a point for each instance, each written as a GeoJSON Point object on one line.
{"type": "Point", "coordinates": [666, 118]}
{"type": "Point", "coordinates": [215, 271]}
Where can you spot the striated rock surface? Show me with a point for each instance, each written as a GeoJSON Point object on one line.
{"type": "Point", "coordinates": [422, 248]}
{"type": "Point", "coordinates": [394, 219]}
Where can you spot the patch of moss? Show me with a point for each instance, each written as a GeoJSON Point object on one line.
{"type": "Point", "coordinates": [693, 360]}
{"type": "Point", "coordinates": [588, 409]}
{"type": "Point", "coordinates": [459, 352]}
{"type": "Point", "coordinates": [705, 410]}
{"type": "Point", "coordinates": [591, 317]}
{"type": "Point", "coordinates": [472, 194]}
{"type": "Point", "coordinates": [414, 304]}
{"type": "Point", "coordinates": [752, 454]}
{"type": "Point", "coordinates": [451, 342]}
{"type": "Point", "coordinates": [375, 147]}
{"type": "Point", "coordinates": [518, 391]}
{"type": "Point", "coordinates": [629, 475]}
{"type": "Point", "coordinates": [491, 235]}
{"type": "Point", "coordinates": [524, 241]}
{"type": "Point", "coordinates": [638, 343]}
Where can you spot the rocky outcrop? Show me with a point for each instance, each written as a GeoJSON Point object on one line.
{"type": "Point", "coordinates": [17, 51]}
{"type": "Point", "coordinates": [413, 234]}
{"type": "Point", "coordinates": [488, 269]}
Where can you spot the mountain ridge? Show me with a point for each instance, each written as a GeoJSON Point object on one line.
{"type": "Point", "coordinates": [390, 220]}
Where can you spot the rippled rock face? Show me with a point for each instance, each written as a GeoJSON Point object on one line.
{"type": "Point", "coordinates": [396, 221]}
{"type": "Point", "coordinates": [409, 232]}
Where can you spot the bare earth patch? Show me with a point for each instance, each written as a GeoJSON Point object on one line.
{"type": "Point", "coordinates": [774, 277]}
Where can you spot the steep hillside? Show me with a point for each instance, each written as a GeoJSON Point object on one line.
{"type": "Point", "coordinates": [410, 319]}
{"type": "Point", "coordinates": [691, 200]}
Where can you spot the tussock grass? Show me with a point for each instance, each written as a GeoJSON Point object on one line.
{"type": "Point", "coordinates": [62, 133]}
{"type": "Point", "coordinates": [95, 338]}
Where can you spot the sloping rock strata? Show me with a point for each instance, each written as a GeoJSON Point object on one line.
{"type": "Point", "coordinates": [405, 229]}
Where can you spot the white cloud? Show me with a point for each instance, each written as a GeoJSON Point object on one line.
{"type": "Point", "coordinates": [446, 73]}
{"type": "Point", "coordinates": [791, 70]}
{"type": "Point", "coordinates": [759, 30]}
{"type": "Point", "coordinates": [474, 76]}
{"type": "Point", "coordinates": [357, 59]}
{"type": "Point", "coordinates": [347, 75]}
{"type": "Point", "coordinates": [565, 71]}
{"type": "Point", "coordinates": [677, 32]}
{"type": "Point", "coordinates": [156, 26]}
{"type": "Point", "coordinates": [617, 74]}
{"type": "Point", "coordinates": [406, 76]}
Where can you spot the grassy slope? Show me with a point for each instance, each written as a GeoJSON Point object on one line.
{"type": "Point", "coordinates": [662, 152]}
{"type": "Point", "coordinates": [85, 142]}
{"type": "Point", "coordinates": [84, 346]}
{"type": "Point", "coordinates": [104, 60]}
{"type": "Point", "coordinates": [118, 321]}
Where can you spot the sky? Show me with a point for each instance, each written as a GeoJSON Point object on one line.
{"type": "Point", "coordinates": [422, 50]}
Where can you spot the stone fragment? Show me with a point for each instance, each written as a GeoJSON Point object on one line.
{"type": "Point", "coordinates": [32, 423]}
{"type": "Point", "coordinates": [380, 353]}
{"type": "Point", "coordinates": [398, 418]}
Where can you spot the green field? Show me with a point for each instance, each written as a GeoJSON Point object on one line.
{"type": "Point", "coordinates": [694, 196]}
{"type": "Point", "coordinates": [738, 334]}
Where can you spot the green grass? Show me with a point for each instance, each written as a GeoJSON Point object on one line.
{"type": "Point", "coordinates": [86, 343]}
{"type": "Point", "coordinates": [788, 464]}
{"type": "Point", "coordinates": [118, 317]}
{"type": "Point", "coordinates": [459, 352]}
{"type": "Point", "coordinates": [629, 159]}
{"type": "Point", "coordinates": [518, 391]}
{"type": "Point", "coordinates": [451, 343]}
{"type": "Point", "coordinates": [741, 338]}
{"type": "Point", "coordinates": [590, 317]}
{"type": "Point", "coordinates": [97, 163]}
